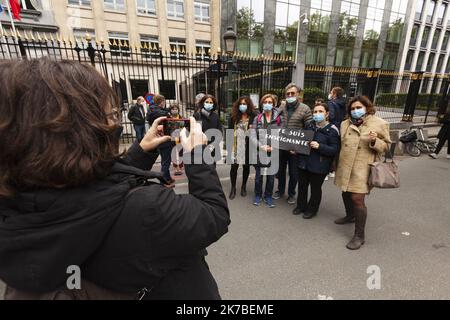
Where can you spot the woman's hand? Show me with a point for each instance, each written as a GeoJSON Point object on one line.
{"type": "Point", "coordinates": [314, 145]}
{"type": "Point", "coordinates": [196, 136]}
{"type": "Point", "coordinates": [154, 136]}
{"type": "Point", "coordinates": [373, 136]}
{"type": "Point", "coordinates": [266, 148]}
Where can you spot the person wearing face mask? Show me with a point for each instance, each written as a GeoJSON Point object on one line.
{"type": "Point", "coordinates": [209, 119]}
{"type": "Point", "coordinates": [364, 138]}
{"type": "Point", "coordinates": [269, 119]}
{"type": "Point", "coordinates": [137, 116]}
{"type": "Point", "coordinates": [241, 120]}
{"type": "Point", "coordinates": [165, 149]}
{"type": "Point", "coordinates": [296, 115]}
{"type": "Point", "coordinates": [314, 167]}
{"type": "Point", "coordinates": [336, 105]}
{"type": "Point", "coordinates": [177, 162]}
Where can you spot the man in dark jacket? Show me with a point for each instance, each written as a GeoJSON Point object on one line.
{"type": "Point", "coordinates": [336, 105]}
{"type": "Point", "coordinates": [296, 115]}
{"type": "Point", "coordinates": [137, 116]}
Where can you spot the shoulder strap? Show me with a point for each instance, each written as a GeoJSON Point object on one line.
{"type": "Point", "coordinates": [278, 120]}
{"type": "Point", "coordinates": [259, 117]}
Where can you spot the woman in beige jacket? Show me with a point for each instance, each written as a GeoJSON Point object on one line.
{"type": "Point", "coordinates": [364, 138]}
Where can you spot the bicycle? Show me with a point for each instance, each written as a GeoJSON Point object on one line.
{"type": "Point", "coordinates": [416, 145]}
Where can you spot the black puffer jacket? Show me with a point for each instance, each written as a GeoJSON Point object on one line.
{"type": "Point", "coordinates": [125, 237]}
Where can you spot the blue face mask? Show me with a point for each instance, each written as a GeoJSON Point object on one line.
{"type": "Point", "coordinates": [243, 108]}
{"type": "Point", "coordinates": [291, 99]}
{"type": "Point", "coordinates": [208, 106]}
{"type": "Point", "coordinates": [267, 107]}
{"type": "Point", "coordinates": [319, 117]}
{"type": "Point", "coordinates": [358, 113]}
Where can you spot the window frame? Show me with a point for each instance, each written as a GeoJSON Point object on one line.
{"type": "Point", "coordinates": [146, 10]}
{"type": "Point", "coordinates": [202, 5]}
{"type": "Point", "coordinates": [115, 6]}
{"type": "Point", "coordinates": [175, 15]}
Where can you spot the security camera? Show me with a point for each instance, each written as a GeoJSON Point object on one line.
{"type": "Point", "coordinates": [305, 21]}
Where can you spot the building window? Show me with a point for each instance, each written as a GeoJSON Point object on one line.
{"type": "Point", "coordinates": [175, 8]}
{"type": "Point", "coordinates": [138, 88]}
{"type": "Point", "coordinates": [203, 48]}
{"type": "Point", "coordinates": [441, 14]}
{"type": "Point", "coordinates": [86, 3]}
{"type": "Point", "coordinates": [409, 58]}
{"type": "Point", "coordinates": [80, 34]}
{"type": "Point", "coordinates": [389, 60]}
{"type": "Point", "coordinates": [149, 46]}
{"type": "Point", "coordinates": [286, 26]}
{"type": "Point", "coordinates": [147, 7]}
{"type": "Point", "coordinates": [437, 34]}
{"type": "Point", "coordinates": [116, 5]}
{"type": "Point", "coordinates": [440, 62]}
{"type": "Point", "coordinates": [445, 41]}
{"type": "Point", "coordinates": [414, 34]}
{"type": "Point", "coordinates": [177, 48]}
{"type": "Point", "coordinates": [420, 61]}
{"type": "Point", "coordinates": [119, 44]}
{"type": "Point", "coordinates": [431, 9]}
{"type": "Point", "coordinates": [426, 34]}
{"type": "Point", "coordinates": [419, 9]}
{"type": "Point", "coordinates": [430, 62]}
{"type": "Point", "coordinates": [447, 68]}
{"type": "Point", "coordinates": [343, 57]}
{"type": "Point", "coordinates": [316, 55]}
{"type": "Point", "coordinates": [201, 11]}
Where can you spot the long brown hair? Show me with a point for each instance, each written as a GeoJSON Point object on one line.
{"type": "Point", "coordinates": [57, 125]}
{"type": "Point", "coordinates": [205, 97]}
{"type": "Point", "coordinates": [236, 113]}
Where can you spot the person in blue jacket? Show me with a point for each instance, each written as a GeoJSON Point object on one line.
{"type": "Point", "coordinates": [314, 168]}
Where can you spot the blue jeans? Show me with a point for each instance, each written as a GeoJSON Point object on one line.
{"type": "Point", "coordinates": [259, 183]}
{"type": "Point", "coordinates": [287, 159]}
{"type": "Point", "coordinates": [140, 131]}
{"type": "Point", "coordinates": [165, 153]}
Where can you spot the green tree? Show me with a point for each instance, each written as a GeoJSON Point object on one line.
{"type": "Point", "coordinates": [246, 24]}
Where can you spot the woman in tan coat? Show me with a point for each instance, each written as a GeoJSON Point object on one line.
{"type": "Point", "coordinates": [364, 138]}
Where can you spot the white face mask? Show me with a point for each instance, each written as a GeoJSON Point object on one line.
{"type": "Point", "coordinates": [330, 96]}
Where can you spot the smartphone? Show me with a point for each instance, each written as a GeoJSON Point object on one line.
{"type": "Point", "coordinates": [171, 125]}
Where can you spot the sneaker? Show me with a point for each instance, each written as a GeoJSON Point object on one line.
{"type": "Point", "coordinates": [433, 155]}
{"type": "Point", "coordinates": [326, 178]}
{"type": "Point", "coordinates": [331, 175]}
{"type": "Point", "coordinates": [277, 195]}
{"type": "Point", "coordinates": [257, 201]}
{"type": "Point", "coordinates": [448, 156]}
{"type": "Point", "coordinates": [269, 202]}
{"type": "Point", "coordinates": [291, 200]}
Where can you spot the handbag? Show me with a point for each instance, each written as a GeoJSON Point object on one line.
{"type": "Point", "coordinates": [385, 174]}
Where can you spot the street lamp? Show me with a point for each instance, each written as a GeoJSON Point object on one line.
{"type": "Point", "coordinates": [229, 39]}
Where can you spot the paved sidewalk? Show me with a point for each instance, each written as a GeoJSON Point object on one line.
{"type": "Point", "coordinates": [271, 254]}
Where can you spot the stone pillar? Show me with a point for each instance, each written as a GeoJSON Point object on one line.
{"type": "Point", "coordinates": [228, 18]}
{"type": "Point", "coordinates": [163, 35]}
{"type": "Point", "coordinates": [331, 46]}
{"type": "Point", "coordinates": [189, 17]}
{"type": "Point", "coordinates": [360, 33]}
{"type": "Point", "coordinates": [100, 26]}
{"type": "Point", "coordinates": [383, 34]}
{"type": "Point", "coordinates": [269, 27]}
{"type": "Point", "coordinates": [215, 12]}
{"type": "Point", "coordinates": [132, 22]}
{"type": "Point", "coordinates": [298, 75]}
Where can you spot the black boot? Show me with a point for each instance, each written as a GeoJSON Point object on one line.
{"type": "Point", "coordinates": [349, 215]}
{"type": "Point", "coordinates": [243, 191]}
{"type": "Point", "coordinates": [360, 224]}
{"type": "Point", "coordinates": [232, 193]}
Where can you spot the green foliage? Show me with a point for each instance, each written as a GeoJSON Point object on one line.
{"type": "Point", "coordinates": [398, 100]}
{"type": "Point", "coordinates": [246, 24]}
{"type": "Point", "coordinates": [310, 95]}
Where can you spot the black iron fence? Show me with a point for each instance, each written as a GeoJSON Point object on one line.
{"type": "Point", "coordinates": [178, 75]}
{"type": "Point", "coordinates": [389, 90]}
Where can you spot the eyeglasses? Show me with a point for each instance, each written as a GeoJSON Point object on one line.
{"type": "Point", "coordinates": [115, 115]}
{"type": "Point", "coordinates": [291, 94]}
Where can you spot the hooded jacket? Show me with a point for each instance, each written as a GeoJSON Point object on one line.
{"type": "Point", "coordinates": [124, 232]}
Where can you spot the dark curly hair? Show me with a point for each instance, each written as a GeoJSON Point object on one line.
{"type": "Point", "coordinates": [57, 125]}
{"type": "Point", "coordinates": [202, 101]}
{"type": "Point", "coordinates": [236, 113]}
